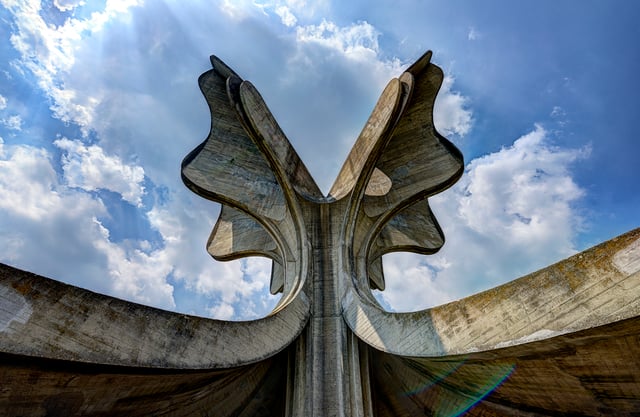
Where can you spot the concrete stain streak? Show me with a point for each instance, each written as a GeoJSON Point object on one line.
{"type": "Point", "coordinates": [627, 260]}
{"type": "Point", "coordinates": [13, 308]}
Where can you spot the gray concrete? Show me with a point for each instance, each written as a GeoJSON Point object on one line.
{"type": "Point", "coordinates": [564, 340]}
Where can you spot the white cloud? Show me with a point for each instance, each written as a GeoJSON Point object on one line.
{"type": "Point", "coordinates": [3, 102]}
{"type": "Point", "coordinates": [137, 275]}
{"type": "Point", "coordinates": [89, 168]}
{"type": "Point", "coordinates": [48, 227]}
{"type": "Point", "coordinates": [222, 311]}
{"type": "Point", "coordinates": [473, 34]}
{"type": "Point", "coordinates": [514, 211]}
{"type": "Point", "coordinates": [28, 183]}
{"type": "Point", "coordinates": [185, 224]}
{"type": "Point", "coordinates": [237, 9]}
{"type": "Point", "coordinates": [411, 282]}
{"type": "Point", "coordinates": [288, 18]}
{"type": "Point", "coordinates": [523, 193]}
{"type": "Point", "coordinates": [67, 5]}
{"type": "Point", "coordinates": [48, 51]}
{"type": "Point", "coordinates": [41, 219]}
{"type": "Point", "coordinates": [358, 41]}
{"type": "Point", "coordinates": [12, 122]}
{"type": "Point", "coordinates": [451, 113]}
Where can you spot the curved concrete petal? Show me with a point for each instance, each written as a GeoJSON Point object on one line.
{"type": "Point", "coordinates": [413, 229]}
{"type": "Point", "coordinates": [593, 288]}
{"type": "Point", "coordinates": [68, 323]}
{"type": "Point", "coordinates": [237, 235]}
{"type": "Point", "coordinates": [381, 121]}
{"type": "Point", "coordinates": [433, 164]}
{"type": "Point", "coordinates": [229, 157]}
{"type": "Point", "coordinates": [247, 163]}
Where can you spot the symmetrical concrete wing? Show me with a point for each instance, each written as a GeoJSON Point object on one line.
{"type": "Point", "coordinates": [562, 341]}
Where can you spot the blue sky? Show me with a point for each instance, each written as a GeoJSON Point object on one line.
{"type": "Point", "coordinates": [99, 104]}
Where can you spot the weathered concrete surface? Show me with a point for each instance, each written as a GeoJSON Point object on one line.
{"type": "Point", "coordinates": [523, 363]}
{"type": "Point", "coordinates": [40, 317]}
{"type": "Point", "coordinates": [591, 289]}
{"type": "Point", "coordinates": [594, 372]}
{"type": "Point", "coordinates": [561, 341]}
{"type": "Point", "coordinates": [42, 387]}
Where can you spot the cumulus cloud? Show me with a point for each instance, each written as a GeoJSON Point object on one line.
{"type": "Point", "coordinates": [3, 102]}
{"type": "Point", "coordinates": [452, 114]}
{"type": "Point", "coordinates": [514, 211]}
{"type": "Point", "coordinates": [67, 5]}
{"type": "Point", "coordinates": [233, 288]}
{"type": "Point", "coordinates": [358, 41]}
{"type": "Point", "coordinates": [89, 168]}
{"type": "Point", "coordinates": [49, 226]}
{"type": "Point", "coordinates": [48, 52]}
{"type": "Point", "coordinates": [222, 311]}
{"type": "Point", "coordinates": [42, 221]}
{"type": "Point", "coordinates": [12, 122]}
{"type": "Point", "coordinates": [135, 274]}
{"type": "Point", "coordinates": [28, 183]}
{"type": "Point", "coordinates": [288, 18]}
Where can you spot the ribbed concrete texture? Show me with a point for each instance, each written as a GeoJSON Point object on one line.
{"type": "Point", "coordinates": [562, 341]}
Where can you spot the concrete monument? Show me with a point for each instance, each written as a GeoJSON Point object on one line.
{"type": "Point", "coordinates": [562, 341]}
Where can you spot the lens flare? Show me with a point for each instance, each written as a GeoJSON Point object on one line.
{"type": "Point", "coordinates": [453, 388]}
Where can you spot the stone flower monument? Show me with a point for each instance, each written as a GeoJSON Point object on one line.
{"type": "Point", "coordinates": [561, 341]}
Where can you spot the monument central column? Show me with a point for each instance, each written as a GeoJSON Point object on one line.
{"type": "Point", "coordinates": [327, 360]}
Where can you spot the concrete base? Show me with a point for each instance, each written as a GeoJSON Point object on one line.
{"type": "Point", "coordinates": [590, 370]}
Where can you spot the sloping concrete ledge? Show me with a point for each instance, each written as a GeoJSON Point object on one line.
{"type": "Point", "coordinates": [593, 288]}
{"type": "Point", "coordinates": [40, 317]}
